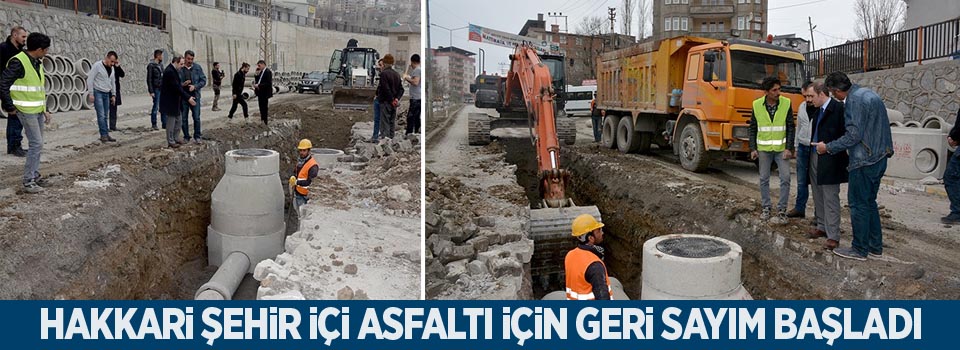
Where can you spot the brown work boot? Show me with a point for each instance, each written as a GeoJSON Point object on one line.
{"type": "Point", "coordinates": [174, 145]}
{"type": "Point", "coordinates": [830, 244]}
{"type": "Point", "coordinates": [816, 233]}
{"type": "Point", "coordinates": [794, 213]}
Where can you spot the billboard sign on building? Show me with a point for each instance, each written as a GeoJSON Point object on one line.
{"type": "Point", "coordinates": [499, 38]}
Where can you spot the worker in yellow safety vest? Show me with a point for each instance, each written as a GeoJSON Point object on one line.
{"type": "Point", "coordinates": [586, 274]}
{"type": "Point", "coordinates": [23, 96]}
{"type": "Point", "coordinates": [306, 170]}
{"type": "Point", "coordinates": [771, 140]}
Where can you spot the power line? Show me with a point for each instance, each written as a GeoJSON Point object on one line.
{"type": "Point", "coordinates": [795, 5]}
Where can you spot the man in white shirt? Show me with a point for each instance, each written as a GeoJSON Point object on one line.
{"type": "Point", "coordinates": [102, 89]}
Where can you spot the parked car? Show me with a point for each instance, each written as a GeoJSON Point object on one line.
{"type": "Point", "coordinates": [316, 81]}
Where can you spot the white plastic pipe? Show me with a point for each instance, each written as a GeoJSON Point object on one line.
{"type": "Point", "coordinates": [226, 280]}
{"type": "Point", "coordinates": [75, 103]}
{"type": "Point", "coordinates": [52, 103]}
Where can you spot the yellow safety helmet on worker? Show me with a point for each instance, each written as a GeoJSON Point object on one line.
{"type": "Point", "coordinates": [584, 224]}
{"type": "Point", "coordinates": [305, 144]}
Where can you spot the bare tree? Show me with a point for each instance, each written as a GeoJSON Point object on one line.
{"type": "Point", "coordinates": [644, 18]}
{"type": "Point", "coordinates": [879, 17]}
{"type": "Point", "coordinates": [626, 16]}
{"type": "Point", "coordinates": [592, 25]}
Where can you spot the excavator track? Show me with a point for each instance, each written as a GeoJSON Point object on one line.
{"type": "Point", "coordinates": [554, 223]}
{"type": "Point", "coordinates": [478, 129]}
{"type": "Point", "coordinates": [567, 130]}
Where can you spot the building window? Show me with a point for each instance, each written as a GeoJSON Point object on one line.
{"type": "Point", "coordinates": [741, 25]}
{"type": "Point", "coordinates": [683, 24]}
{"type": "Point", "coordinates": [687, 1]}
{"type": "Point", "coordinates": [756, 1]}
{"type": "Point", "coordinates": [676, 23]}
{"type": "Point", "coordinates": [402, 38]}
{"type": "Point", "coordinates": [666, 24]}
{"type": "Point", "coordinates": [703, 27]}
{"type": "Point", "coordinates": [571, 62]}
{"type": "Point", "coordinates": [563, 39]}
{"type": "Point", "coordinates": [579, 41]}
{"type": "Point", "coordinates": [743, 1]}
{"type": "Point", "coordinates": [757, 26]}
{"type": "Point", "coordinates": [713, 27]}
{"type": "Point", "coordinates": [667, 2]}
{"type": "Point", "coordinates": [721, 27]}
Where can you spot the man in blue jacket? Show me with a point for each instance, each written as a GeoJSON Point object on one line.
{"type": "Point", "coordinates": [191, 74]}
{"type": "Point", "coordinates": [868, 143]}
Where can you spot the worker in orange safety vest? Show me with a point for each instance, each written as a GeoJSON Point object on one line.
{"type": "Point", "coordinates": [307, 169]}
{"type": "Point", "coordinates": [586, 274]}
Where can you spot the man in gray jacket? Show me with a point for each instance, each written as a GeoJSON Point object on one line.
{"type": "Point", "coordinates": [802, 143]}
{"type": "Point", "coordinates": [869, 143]}
{"type": "Point", "coordinates": [102, 88]}
{"type": "Point", "coordinates": [193, 80]}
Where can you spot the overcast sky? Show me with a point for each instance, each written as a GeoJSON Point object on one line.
{"type": "Point", "coordinates": [834, 20]}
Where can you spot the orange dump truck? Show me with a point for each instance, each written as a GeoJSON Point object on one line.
{"type": "Point", "coordinates": [692, 94]}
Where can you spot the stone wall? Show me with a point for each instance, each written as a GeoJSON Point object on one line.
{"type": "Point", "coordinates": [80, 36]}
{"type": "Point", "coordinates": [917, 91]}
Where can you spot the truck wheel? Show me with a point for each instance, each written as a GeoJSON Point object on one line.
{"type": "Point", "coordinates": [628, 141]}
{"type": "Point", "coordinates": [567, 131]}
{"type": "Point", "coordinates": [693, 156]}
{"type": "Point", "coordinates": [609, 131]}
{"type": "Point", "coordinates": [478, 129]}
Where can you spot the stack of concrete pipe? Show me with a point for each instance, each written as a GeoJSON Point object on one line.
{"type": "Point", "coordinates": [65, 83]}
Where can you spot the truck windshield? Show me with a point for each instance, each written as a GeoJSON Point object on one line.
{"type": "Point", "coordinates": [749, 69]}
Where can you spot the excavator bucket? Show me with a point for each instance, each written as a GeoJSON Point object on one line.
{"type": "Point", "coordinates": [353, 98]}
{"type": "Point", "coordinates": [549, 224]}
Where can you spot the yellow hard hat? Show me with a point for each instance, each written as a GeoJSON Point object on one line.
{"type": "Point", "coordinates": [305, 144]}
{"type": "Point", "coordinates": [584, 224]}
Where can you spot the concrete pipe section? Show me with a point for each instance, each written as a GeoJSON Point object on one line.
{"type": "Point", "coordinates": [83, 67]}
{"type": "Point", "coordinates": [79, 84]}
{"type": "Point", "coordinates": [691, 267]}
{"type": "Point", "coordinates": [226, 280]}
{"type": "Point", "coordinates": [615, 284]}
{"type": "Point", "coordinates": [86, 104]}
{"type": "Point", "coordinates": [63, 102]}
{"type": "Point", "coordinates": [66, 83]}
{"type": "Point", "coordinates": [56, 84]}
{"type": "Point", "coordinates": [247, 94]}
{"type": "Point", "coordinates": [912, 124]}
{"type": "Point", "coordinates": [68, 66]}
{"type": "Point", "coordinates": [246, 208]}
{"type": "Point", "coordinates": [894, 115]}
{"type": "Point", "coordinates": [75, 103]}
{"type": "Point", "coordinates": [49, 65]}
{"type": "Point", "coordinates": [60, 64]}
{"type": "Point", "coordinates": [326, 157]}
{"type": "Point", "coordinates": [47, 84]}
{"type": "Point", "coordinates": [52, 103]}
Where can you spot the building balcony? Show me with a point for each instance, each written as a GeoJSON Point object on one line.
{"type": "Point", "coordinates": [711, 9]}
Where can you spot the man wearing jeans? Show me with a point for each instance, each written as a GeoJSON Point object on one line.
{"type": "Point", "coordinates": [22, 95]}
{"type": "Point", "coordinates": [868, 143]}
{"type": "Point", "coordinates": [771, 140]}
{"type": "Point", "coordinates": [102, 88]}
{"type": "Point", "coordinates": [191, 74]}
{"type": "Point", "coordinates": [802, 145]}
{"type": "Point", "coordinates": [413, 114]}
{"type": "Point", "coordinates": [13, 46]}
{"type": "Point", "coordinates": [154, 81]}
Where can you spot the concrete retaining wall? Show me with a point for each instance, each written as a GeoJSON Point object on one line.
{"type": "Point", "coordinates": [231, 39]}
{"type": "Point", "coordinates": [917, 91]}
{"type": "Point", "coordinates": [79, 36]}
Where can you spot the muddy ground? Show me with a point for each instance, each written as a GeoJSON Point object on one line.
{"type": "Point", "coordinates": [128, 220]}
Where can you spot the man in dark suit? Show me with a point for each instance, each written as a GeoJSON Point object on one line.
{"type": "Point", "coordinates": [827, 171]}
{"type": "Point", "coordinates": [263, 86]}
{"type": "Point", "coordinates": [172, 95]}
{"type": "Point", "coordinates": [951, 177]}
{"type": "Point", "coordinates": [237, 90]}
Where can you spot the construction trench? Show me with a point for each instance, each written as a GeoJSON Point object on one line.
{"type": "Point", "coordinates": [645, 196]}
{"type": "Point", "coordinates": [130, 221]}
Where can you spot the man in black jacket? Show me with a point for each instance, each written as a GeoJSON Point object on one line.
{"type": "Point", "coordinates": [827, 171]}
{"type": "Point", "coordinates": [389, 93]}
{"type": "Point", "coordinates": [154, 80]}
{"type": "Point", "coordinates": [172, 95]}
{"type": "Point", "coordinates": [117, 74]}
{"type": "Point", "coordinates": [951, 177]}
{"type": "Point", "coordinates": [8, 49]}
{"type": "Point", "coordinates": [237, 89]}
{"type": "Point", "coordinates": [217, 76]}
{"type": "Point", "coordinates": [263, 86]}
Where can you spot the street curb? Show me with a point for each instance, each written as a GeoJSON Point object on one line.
{"type": "Point", "coordinates": [912, 186]}
{"type": "Point", "coordinates": [446, 124]}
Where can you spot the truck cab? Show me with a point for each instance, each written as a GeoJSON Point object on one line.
{"type": "Point", "coordinates": [723, 79]}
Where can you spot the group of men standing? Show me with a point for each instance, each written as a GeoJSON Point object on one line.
{"type": "Point", "coordinates": [843, 137]}
{"type": "Point", "coordinates": [389, 91]}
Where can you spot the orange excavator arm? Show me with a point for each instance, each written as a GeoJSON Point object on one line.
{"type": "Point", "coordinates": [529, 75]}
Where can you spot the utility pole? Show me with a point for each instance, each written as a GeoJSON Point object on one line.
{"type": "Point", "coordinates": [812, 27]}
{"type": "Point", "coordinates": [266, 26]}
{"type": "Point", "coordinates": [613, 16]}
{"type": "Point", "coordinates": [560, 15]}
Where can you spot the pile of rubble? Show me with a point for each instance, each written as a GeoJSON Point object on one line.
{"type": "Point", "coordinates": [474, 251]}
